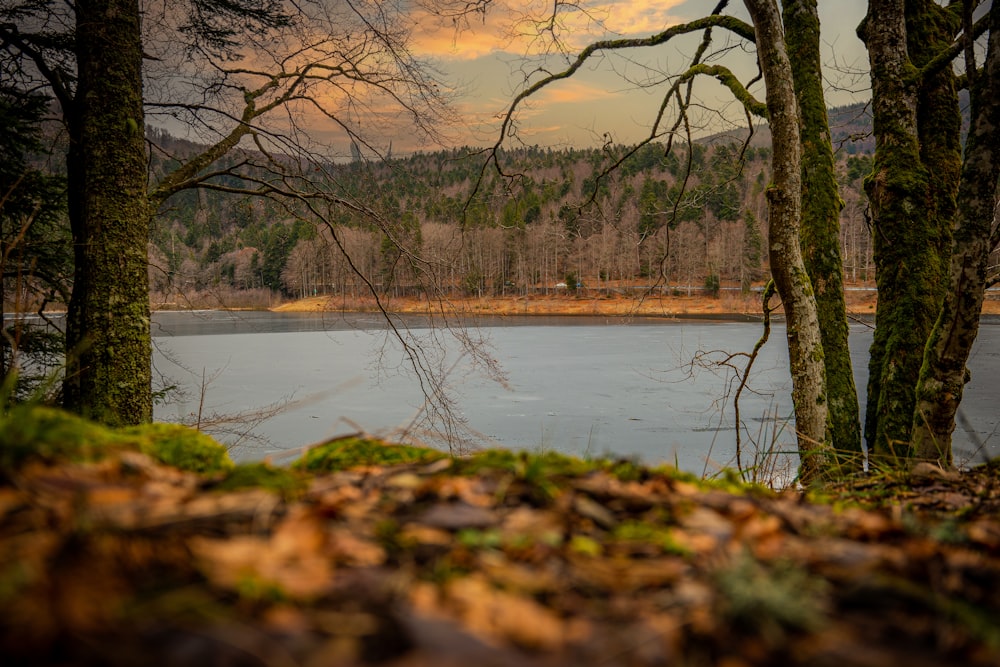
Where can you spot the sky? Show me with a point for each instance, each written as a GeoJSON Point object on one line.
{"type": "Point", "coordinates": [605, 100]}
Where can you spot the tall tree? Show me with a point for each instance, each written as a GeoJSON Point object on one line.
{"type": "Point", "coordinates": [108, 348]}
{"type": "Point", "coordinates": [944, 373]}
{"type": "Point", "coordinates": [820, 229]}
{"type": "Point", "coordinates": [784, 195]}
{"type": "Point", "coordinates": [910, 209]}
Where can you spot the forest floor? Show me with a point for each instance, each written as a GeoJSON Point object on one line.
{"type": "Point", "coordinates": [373, 554]}
{"type": "Point", "coordinates": [860, 304]}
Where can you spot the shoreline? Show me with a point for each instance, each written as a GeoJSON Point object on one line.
{"type": "Point", "coordinates": [731, 307]}
{"type": "Point", "coordinates": [734, 307]}
{"type": "Point", "coordinates": [861, 306]}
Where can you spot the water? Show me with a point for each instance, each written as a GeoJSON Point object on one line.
{"type": "Point", "coordinates": [658, 390]}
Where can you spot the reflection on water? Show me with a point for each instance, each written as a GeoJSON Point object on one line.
{"type": "Point", "coordinates": [586, 386]}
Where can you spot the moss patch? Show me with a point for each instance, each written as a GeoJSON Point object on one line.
{"type": "Point", "coordinates": [283, 481]}
{"type": "Point", "coordinates": [34, 432]}
{"type": "Point", "coordinates": [28, 432]}
{"type": "Point", "coordinates": [181, 447]}
{"type": "Point", "coordinates": [355, 452]}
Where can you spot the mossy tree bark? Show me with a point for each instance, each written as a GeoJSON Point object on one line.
{"type": "Point", "coordinates": [944, 374]}
{"type": "Point", "coordinates": [908, 228]}
{"type": "Point", "coordinates": [108, 373]}
{"type": "Point", "coordinates": [805, 346]}
{"type": "Point", "coordinates": [820, 229]}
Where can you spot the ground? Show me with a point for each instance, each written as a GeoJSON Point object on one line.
{"type": "Point", "coordinates": [367, 553]}
{"type": "Point", "coordinates": [861, 304]}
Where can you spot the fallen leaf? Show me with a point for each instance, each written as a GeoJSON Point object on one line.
{"type": "Point", "coordinates": [589, 508]}
{"type": "Point", "coordinates": [456, 516]}
{"type": "Point", "coordinates": [352, 549]}
{"type": "Point", "coordinates": [500, 616]}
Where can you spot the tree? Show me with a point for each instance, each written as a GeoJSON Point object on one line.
{"type": "Point", "coordinates": [35, 252]}
{"type": "Point", "coordinates": [784, 195]}
{"type": "Point", "coordinates": [909, 246]}
{"type": "Point", "coordinates": [820, 228]}
{"type": "Point", "coordinates": [912, 46]}
{"type": "Point", "coordinates": [933, 207]}
{"type": "Point", "coordinates": [241, 71]}
{"type": "Point", "coordinates": [805, 343]}
{"type": "Point", "coordinates": [108, 345]}
{"type": "Point", "coordinates": [943, 373]}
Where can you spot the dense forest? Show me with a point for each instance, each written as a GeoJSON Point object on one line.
{"type": "Point", "coordinates": [555, 219]}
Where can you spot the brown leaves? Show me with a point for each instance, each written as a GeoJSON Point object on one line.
{"type": "Point", "coordinates": [419, 564]}
{"type": "Point", "coordinates": [290, 562]}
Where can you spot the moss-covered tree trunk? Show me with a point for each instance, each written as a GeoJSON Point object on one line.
{"type": "Point", "coordinates": [944, 374]}
{"type": "Point", "coordinates": [820, 231]}
{"type": "Point", "coordinates": [784, 196]}
{"type": "Point", "coordinates": [108, 373]}
{"type": "Point", "coordinates": [909, 232]}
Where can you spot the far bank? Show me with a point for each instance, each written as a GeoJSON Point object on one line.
{"type": "Point", "coordinates": [736, 305]}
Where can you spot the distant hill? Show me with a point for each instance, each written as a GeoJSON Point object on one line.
{"type": "Point", "coordinates": [850, 129]}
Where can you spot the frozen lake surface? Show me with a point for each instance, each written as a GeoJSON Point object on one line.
{"type": "Point", "coordinates": [585, 386]}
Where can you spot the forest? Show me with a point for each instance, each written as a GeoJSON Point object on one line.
{"type": "Point", "coordinates": [694, 219]}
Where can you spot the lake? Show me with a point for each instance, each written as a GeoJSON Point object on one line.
{"type": "Point", "coordinates": [580, 385]}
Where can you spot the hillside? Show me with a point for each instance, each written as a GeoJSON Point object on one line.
{"type": "Point", "coordinates": [850, 130]}
{"type": "Point", "coordinates": [438, 224]}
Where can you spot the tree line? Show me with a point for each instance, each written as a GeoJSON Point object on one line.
{"type": "Point", "coordinates": [643, 225]}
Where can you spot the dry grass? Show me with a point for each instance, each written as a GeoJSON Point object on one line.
{"type": "Point", "coordinates": [859, 304]}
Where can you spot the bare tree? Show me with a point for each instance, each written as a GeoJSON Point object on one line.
{"type": "Point", "coordinates": [918, 193]}
{"type": "Point", "coordinates": [247, 79]}
{"type": "Point", "coordinates": [784, 195]}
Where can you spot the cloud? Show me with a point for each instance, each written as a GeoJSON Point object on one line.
{"type": "Point", "coordinates": [514, 28]}
{"type": "Point", "coordinates": [572, 92]}
{"type": "Point", "coordinates": [640, 18]}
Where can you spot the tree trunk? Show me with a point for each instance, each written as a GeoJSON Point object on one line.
{"type": "Point", "coordinates": [805, 347]}
{"type": "Point", "coordinates": [820, 233]}
{"type": "Point", "coordinates": [108, 375]}
{"type": "Point", "coordinates": [908, 264]}
{"type": "Point", "coordinates": [944, 374]}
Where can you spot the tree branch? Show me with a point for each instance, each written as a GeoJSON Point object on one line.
{"type": "Point", "coordinates": [946, 57]}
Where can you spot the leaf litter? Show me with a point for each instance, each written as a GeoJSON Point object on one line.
{"type": "Point", "coordinates": [495, 559]}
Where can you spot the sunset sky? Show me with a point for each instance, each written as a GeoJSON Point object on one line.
{"type": "Point", "coordinates": [486, 64]}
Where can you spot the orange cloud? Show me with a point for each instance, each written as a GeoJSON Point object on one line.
{"type": "Point", "coordinates": [514, 28]}
{"type": "Point", "coordinates": [572, 92]}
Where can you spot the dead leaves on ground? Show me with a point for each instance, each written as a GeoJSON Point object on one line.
{"type": "Point", "coordinates": [424, 564]}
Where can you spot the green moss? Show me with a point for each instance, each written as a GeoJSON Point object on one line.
{"type": "Point", "coordinates": [770, 601]}
{"type": "Point", "coordinates": [533, 465]}
{"type": "Point", "coordinates": [182, 447]}
{"type": "Point", "coordinates": [585, 545]}
{"type": "Point", "coordinates": [729, 480]}
{"type": "Point", "coordinates": [480, 539]}
{"type": "Point", "coordinates": [529, 466]}
{"type": "Point", "coordinates": [354, 452]}
{"type": "Point", "coordinates": [649, 533]}
{"type": "Point", "coordinates": [28, 432]}
{"type": "Point", "coordinates": [283, 481]}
